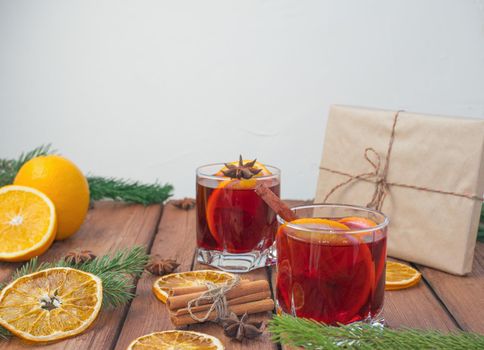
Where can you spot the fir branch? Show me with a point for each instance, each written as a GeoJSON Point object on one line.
{"type": "Point", "coordinates": [128, 191]}
{"type": "Point", "coordinates": [4, 333]}
{"type": "Point", "coordinates": [99, 187]}
{"type": "Point", "coordinates": [10, 167]}
{"type": "Point", "coordinates": [312, 335]}
{"type": "Point", "coordinates": [116, 271]}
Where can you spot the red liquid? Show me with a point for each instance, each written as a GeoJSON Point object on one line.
{"type": "Point", "coordinates": [338, 279]}
{"type": "Point", "coordinates": [235, 220]}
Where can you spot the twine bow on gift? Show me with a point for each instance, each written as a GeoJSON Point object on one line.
{"type": "Point", "coordinates": [379, 176]}
{"type": "Point", "coordinates": [216, 294]}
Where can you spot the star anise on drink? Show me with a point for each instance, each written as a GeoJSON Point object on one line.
{"type": "Point", "coordinates": [241, 170]}
{"type": "Point", "coordinates": [185, 203]}
{"type": "Point", "coordinates": [240, 329]}
{"type": "Point", "coordinates": [159, 266]}
{"type": "Point", "coordinates": [79, 256]}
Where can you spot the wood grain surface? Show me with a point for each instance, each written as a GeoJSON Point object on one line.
{"type": "Point", "coordinates": [440, 301]}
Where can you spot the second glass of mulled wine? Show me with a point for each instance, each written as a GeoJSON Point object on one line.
{"type": "Point", "coordinates": [235, 227]}
{"type": "Point", "coordinates": [331, 264]}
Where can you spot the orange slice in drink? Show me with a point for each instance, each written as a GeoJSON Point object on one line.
{"type": "Point", "coordinates": [360, 223]}
{"type": "Point", "coordinates": [224, 201]}
{"type": "Point", "coordinates": [401, 276]}
{"type": "Point", "coordinates": [334, 267]}
{"type": "Point", "coordinates": [164, 284]}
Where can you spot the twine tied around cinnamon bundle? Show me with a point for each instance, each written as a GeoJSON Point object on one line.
{"type": "Point", "coordinates": [379, 176]}
{"type": "Point", "coordinates": [216, 296]}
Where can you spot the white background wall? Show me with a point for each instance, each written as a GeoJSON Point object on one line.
{"type": "Point", "coordinates": [150, 89]}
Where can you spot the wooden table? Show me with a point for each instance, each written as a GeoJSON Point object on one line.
{"type": "Point", "coordinates": [440, 301]}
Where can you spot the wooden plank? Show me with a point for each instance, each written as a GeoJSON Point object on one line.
{"type": "Point", "coordinates": [175, 239]}
{"type": "Point", "coordinates": [463, 296]}
{"type": "Point", "coordinates": [108, 227]}
{"type": "Point", "coordinates": [416, 307]}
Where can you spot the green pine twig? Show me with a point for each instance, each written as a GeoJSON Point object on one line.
{"type": "Point", "coordinates": [99, 187]}
{"type": "Point", "coordinates": [116, 271]}
{"type": "Point", "coordinates": [128, 191]}
{"type": "Point", "coordinates": [312, 335]}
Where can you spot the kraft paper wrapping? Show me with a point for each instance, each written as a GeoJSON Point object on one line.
{"type": "Point", "coordinates": [441, 153]}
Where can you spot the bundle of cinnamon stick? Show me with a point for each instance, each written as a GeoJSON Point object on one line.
{"type": "Point", "coordinates": [247, 297]}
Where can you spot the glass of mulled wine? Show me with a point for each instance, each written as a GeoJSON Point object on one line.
{"type": "Point", "coordinates": [331, 264]}
{"type": "Point", "coordinates": [235, 227]}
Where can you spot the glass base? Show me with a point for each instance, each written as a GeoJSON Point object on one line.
{"type": "Point", "coordinates": [377, 321]}
{"type": "Point", "coordinates": [242, 262]}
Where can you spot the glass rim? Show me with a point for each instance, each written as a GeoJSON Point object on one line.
{"type": "Point", "coordinates": [380, 226]}
{"type": "Point", "coordinates": [275, 174]}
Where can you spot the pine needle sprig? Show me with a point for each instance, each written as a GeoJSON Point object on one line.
{"type": "Point", "coordinates": [99, 187]}
{"type": "Point", "coordinates": [117, 272]}
{"type": "Point", "coordinates": [312, 335]}
{"type": "Point", "coordinates": [10, 167]}
{"type": "Point", "coordinates": [127, 190]}
{"type": "Point", "coordinates": [4, 333]}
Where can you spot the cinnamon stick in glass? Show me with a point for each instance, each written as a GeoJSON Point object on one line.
{"type": "Point", "coordinates": [240, 309]}
{"type": "Point", "coordinates": [275, 202]}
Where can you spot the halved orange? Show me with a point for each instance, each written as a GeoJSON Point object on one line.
{"type": "Point", "coordinates": [51, 304]}
{"type": "Point", "coordinates": [163, 285]}
{"type": "Point", "coordinates": [28, 223]}
{"type": "Point", "coordinates": [172, 340]}
{"type": "Point", "coordinates": [400, 276]}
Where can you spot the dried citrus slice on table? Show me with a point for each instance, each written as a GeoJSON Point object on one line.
{"type": "Point", "coordinates": [51, 304]}
{"type": "Point", "coordinates": [27, 223]}
{"type": "Point", "coordinates": [171, 340]}
{"type": "Point", "coordinates": [163, 285]}
{"type": "Point", "coordinates": [400, 276]}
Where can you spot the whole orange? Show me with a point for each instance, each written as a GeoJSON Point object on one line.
{"type": "Point", "coordinates": [63, 182]}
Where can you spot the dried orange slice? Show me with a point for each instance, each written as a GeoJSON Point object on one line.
{"type": "Point", "coordinates": [163, 285]}
{"type": "Point", "coordinates": [400, 276]}
{"type": "Point", "coordinates": [51, 304]}
{"type": "Point", "coordinates": [170, 340]}
{"type": "Point", "coordinates": [28, 223]}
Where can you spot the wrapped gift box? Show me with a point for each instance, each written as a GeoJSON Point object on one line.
{"type": "Point", "coordinates": [431, 186]}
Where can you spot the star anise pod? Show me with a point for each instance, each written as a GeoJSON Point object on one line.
{"type": "Point", "coordinates": [241, 171]}
{"type": "Point", "coordinates": [79, 256]}
{"type": "Point", "coordinates": [185, 203]}
{"type": "Point", "coordinates": [160, 267]}
{"type": "Point", "coordinates": [240, 329]}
